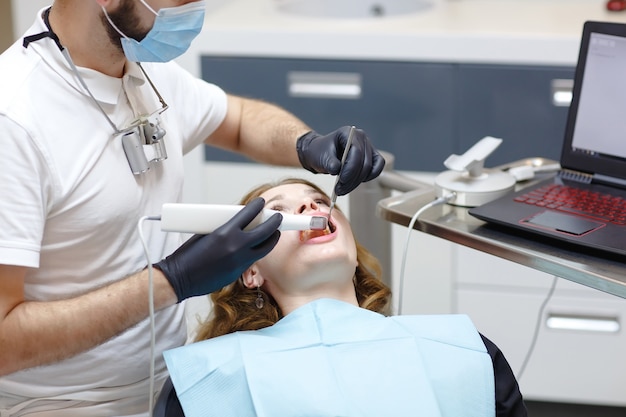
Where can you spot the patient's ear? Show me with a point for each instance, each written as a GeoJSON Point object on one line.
{"type": "Point", "coordinates": [252, 278]}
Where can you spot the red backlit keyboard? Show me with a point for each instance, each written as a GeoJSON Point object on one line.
{"type": "Point", "coordinates": [576, 201]}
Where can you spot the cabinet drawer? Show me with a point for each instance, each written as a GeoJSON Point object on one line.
{"type": "Point", "coordinates": [517, 104]}
{"type": "Point", "coordinates": [407, 109]}
{"type": "Point", "coordinates": [475, 268]}
{"type": "Point", "coordinates": [420, 112]}
{"type": "Point", "coordinates": [573, 360]}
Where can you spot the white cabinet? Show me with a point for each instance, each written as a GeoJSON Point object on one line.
{"type": "Point", "coordinates": [578, 355]}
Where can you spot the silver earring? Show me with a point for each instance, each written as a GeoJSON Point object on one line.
{"type": "Point", "coordinates": [259, 302]}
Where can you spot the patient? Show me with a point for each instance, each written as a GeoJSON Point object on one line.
{"type": "Point", "coordinates": [304, 332]}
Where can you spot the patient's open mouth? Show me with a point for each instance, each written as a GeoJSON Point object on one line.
{"type": "Point", "coordinates": [310, 234]}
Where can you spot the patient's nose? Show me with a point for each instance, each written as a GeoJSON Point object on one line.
{"type": "Point", "coordinates": [308, 205]}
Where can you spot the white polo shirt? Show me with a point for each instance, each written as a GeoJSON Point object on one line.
{"type": "Point", "coordinates": [70, 206]}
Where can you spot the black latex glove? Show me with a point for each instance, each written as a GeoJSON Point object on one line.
{"type": "Point", "coordinates": [206, 263]}
{"type": "Point", "coordinates": [322, 154]}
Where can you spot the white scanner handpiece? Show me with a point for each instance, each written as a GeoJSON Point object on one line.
{"type": "Point", "coordinates": [205, 218]}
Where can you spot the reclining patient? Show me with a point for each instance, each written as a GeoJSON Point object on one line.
{"type": "Point", "coordinates": [306, 332]}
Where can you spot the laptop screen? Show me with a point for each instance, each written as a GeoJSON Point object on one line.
{"type": "Point", "coordinates": [595, 137]}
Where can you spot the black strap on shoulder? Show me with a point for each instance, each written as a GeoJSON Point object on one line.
{"type": "Point", "coordinates": [47, 34]}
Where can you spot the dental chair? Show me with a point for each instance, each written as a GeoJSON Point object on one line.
{"type": "Point", "coordinates": [167, 405]}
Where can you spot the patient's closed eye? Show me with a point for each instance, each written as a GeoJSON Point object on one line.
{"type": "Point", "coordinates": [323, 202]}
{"type": "Point", "coordinates": [277, 207]}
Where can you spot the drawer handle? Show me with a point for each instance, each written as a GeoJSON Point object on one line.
{"type": "Point", "coordinates": [562, 92]}
{"type": "Point", "coordinates": [337, 85]}
{"type": "Point", "coordinates": [583, 323]}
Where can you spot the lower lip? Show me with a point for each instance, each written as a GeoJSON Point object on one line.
{"type": "Point", "coordinates": [321, 239]}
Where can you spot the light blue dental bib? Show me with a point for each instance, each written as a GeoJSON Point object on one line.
{"type": "Point", "coordinates": [329, 358]}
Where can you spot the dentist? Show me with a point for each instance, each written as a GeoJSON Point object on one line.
{"type": "Point", "coordinates": [94, 122]}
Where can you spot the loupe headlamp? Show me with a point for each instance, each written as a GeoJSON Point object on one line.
{"type": "Point", "coordinates": [143, 143]}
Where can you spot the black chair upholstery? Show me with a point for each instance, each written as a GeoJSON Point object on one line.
{"type": "Point", "coordinates": [167, 405]}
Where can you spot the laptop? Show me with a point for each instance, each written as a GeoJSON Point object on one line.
{"type": "Point", "coordinates": [593, 158]}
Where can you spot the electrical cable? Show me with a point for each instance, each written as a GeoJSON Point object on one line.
{"type": "Point", "coordinates": [445, 199]}
{"type": "Point", "coordinates": [151, 309]}
{"type": "Point", "coordinates": [441, 200]}
{"type": "Point", "coordinates": [533, 341]}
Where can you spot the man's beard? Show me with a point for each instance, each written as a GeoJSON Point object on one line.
{"type": "Point", "coordinates": [127, 21]}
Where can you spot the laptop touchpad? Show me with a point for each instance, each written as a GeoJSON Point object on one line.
{"type": "Point", "coordinates": [563, 223]}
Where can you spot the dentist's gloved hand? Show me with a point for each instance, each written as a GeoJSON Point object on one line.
{"type": "Point", "coordinates": [206, 263]}
{"type": "Point", "coordinates": [322, 154]}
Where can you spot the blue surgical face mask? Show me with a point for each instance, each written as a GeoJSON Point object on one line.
{"type": "Point", "coordinates": [173, 30]}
